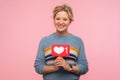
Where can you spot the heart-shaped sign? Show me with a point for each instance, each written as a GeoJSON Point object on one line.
{"type": "Point", "coordinates": [59, 50]}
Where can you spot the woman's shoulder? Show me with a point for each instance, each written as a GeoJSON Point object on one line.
{"type": "Point", "coordinates": [76, 37]}
{"type": "Point", "coordinates": [47, 37]}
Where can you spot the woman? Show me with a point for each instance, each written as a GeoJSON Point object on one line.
{"type": "Point", "coordinates": [51, 60]}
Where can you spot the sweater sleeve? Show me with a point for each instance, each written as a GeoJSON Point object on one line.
{"type": "Point", "coordinates": [82, 61]}
{"type": "Point", "coordinates": [40, 59]}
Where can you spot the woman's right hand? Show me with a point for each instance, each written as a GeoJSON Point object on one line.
{"type": "Point", "coordinates": [57, 62]}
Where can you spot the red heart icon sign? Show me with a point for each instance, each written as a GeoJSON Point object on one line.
{"type": "Point", "coordinates": [60, 50]}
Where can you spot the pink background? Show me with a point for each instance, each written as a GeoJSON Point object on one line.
{"type": "Point", "coordinates": [24, 22]}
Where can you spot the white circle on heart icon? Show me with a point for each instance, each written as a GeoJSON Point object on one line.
{"type": "Point", "coordinates": [59, 50]}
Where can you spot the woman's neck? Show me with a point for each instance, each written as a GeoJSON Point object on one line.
{"type": "Point", "coordinates": [62, 33]}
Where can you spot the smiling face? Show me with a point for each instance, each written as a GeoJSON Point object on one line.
{"type": "Point", "coordinates": [61, 22]}
{"type": "Point", "coordinates": [62, 16]}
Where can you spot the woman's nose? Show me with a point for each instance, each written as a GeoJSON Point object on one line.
{"type": "Point", "coordinates": [61, 22]}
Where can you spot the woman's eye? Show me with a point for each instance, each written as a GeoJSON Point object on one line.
{"type": "Point", "coordinates": [65, 19]}
{"type": "Point", "coordinates": [57, 18]}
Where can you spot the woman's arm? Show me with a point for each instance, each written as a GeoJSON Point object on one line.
{"type": "Point", "coordinates": [82, 60]}
{"type": "Point", "coordinates": [40, 66]}
{"type": "Point", "coordinates": [48, 69]}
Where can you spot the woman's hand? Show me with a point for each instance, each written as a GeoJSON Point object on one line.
{"type": "Point", "coordinates": [60, 62]}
